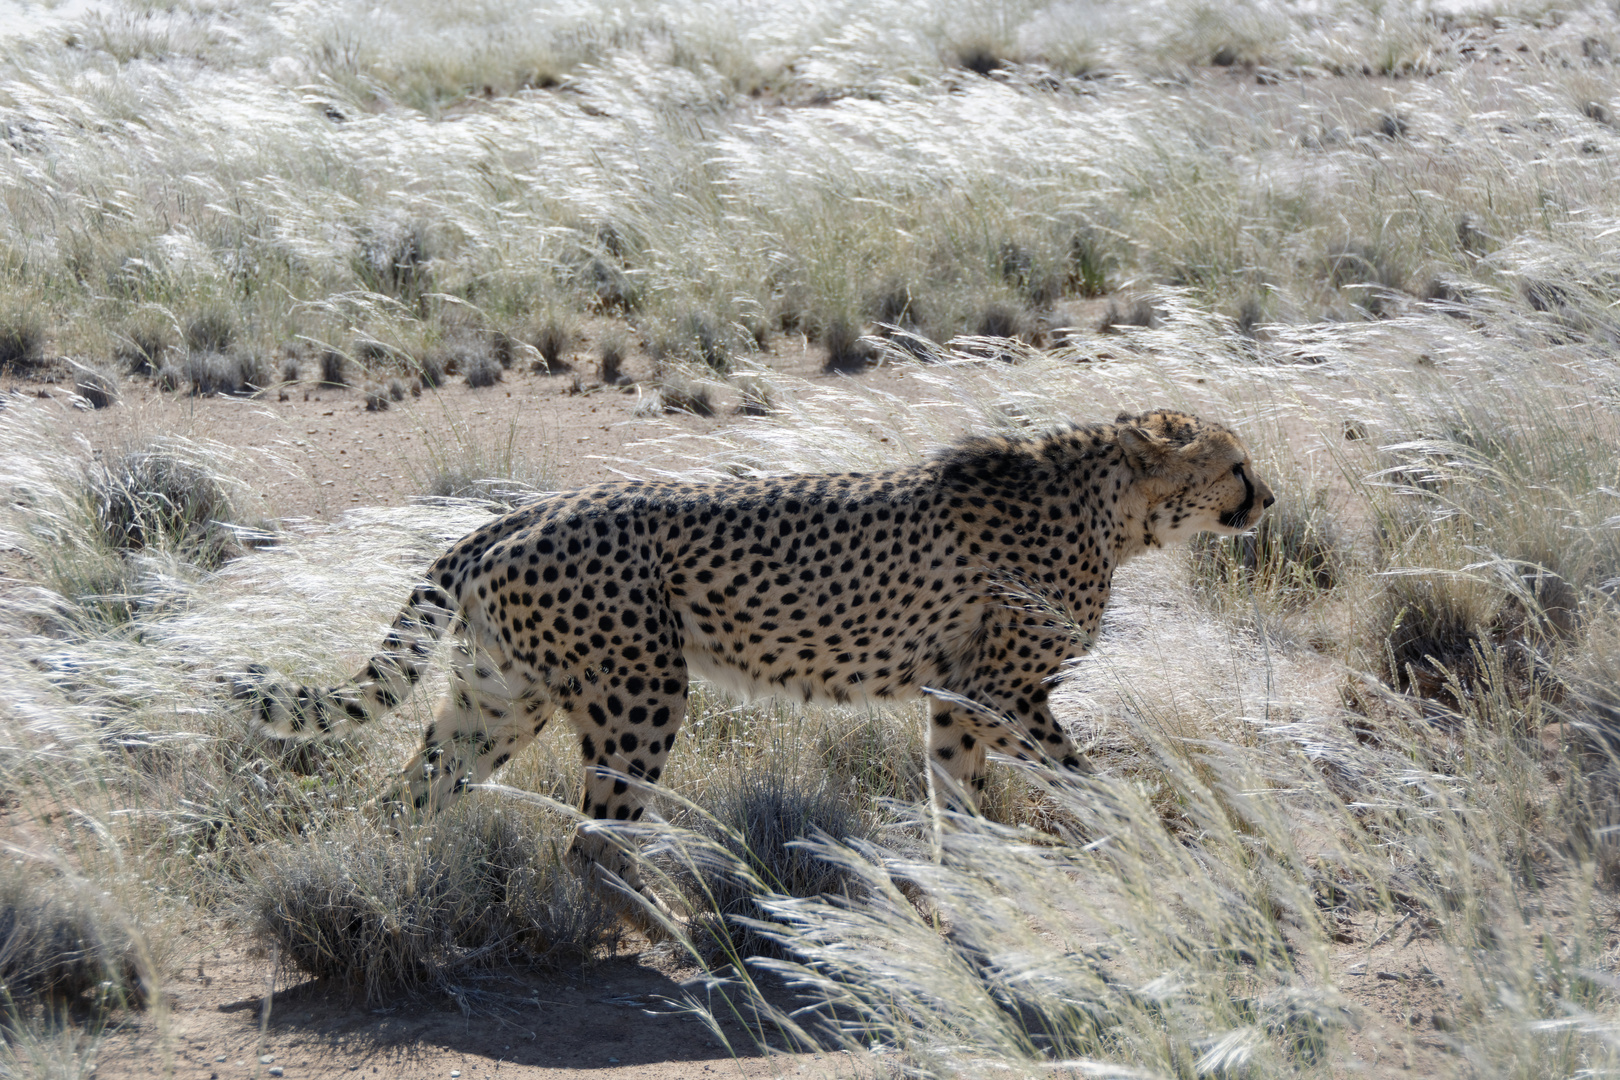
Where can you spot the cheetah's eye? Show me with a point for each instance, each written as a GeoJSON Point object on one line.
{"type": "Point", "coordinates": [1237, 470]}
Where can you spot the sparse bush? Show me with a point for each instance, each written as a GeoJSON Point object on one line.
{"type": "Point", "coordinates": [237, 372]}
{"type": "Point", "coordinates": [1139, 313]}
{"type": "Point", "coordinates": [846, 352]}
{"type": "Point", "coordinates": [395, 259]}
{"type": "Point", "coordinates": [482, 369]}
{"type": "Point", "coordinates": [552, 342]}
{"type": "Point", "coordinates": [673, 391]}
{"type": "Point", "coordinates": [211, 330]}
{"type": "Point", "coordinates": [611, 287]}
{"type": "Point", "coordinates": [140, 351]}
{"type": "Point", "coordinates": [1091, 260]}
{"type": "Point", "coordinates": [57, 940]}
{"type": "Point", "coordinates": [700, 339]}
{"type": "Point", "coordinates": [396, 390]}
{"type": "Point", "coordinates": [334, 368]}
{"type": "Point", "coordinates": [612, 360]}
{"type": "Point", "coordinates": [99, 388]}
{"type": "Point", "coordinates": [759, 820]}
{"type": "Point", "coordinates": [164, 498]}
{"type": "Point", "coordinates": [289, 368]}
{"type": "Point", "coordinates": [998, 320]}
{"type": "Point", "coordinates": [373, 354]}
{"type": "Point", "coordinates": [469, 463]}
{"type": "Point", "coordinates": [1434, 630]}
{"type": "Point", "coordinates": [376, 398]}
{"type": "Point", "coordinates": [1366, 274]}
{"type": "Point", "coordinates": [430, 368]}
{"type": "Point", "coordinates": [22, 342]}
{"type": "Point", "coordinates": [380, 917]}
{"type": "Point", "coordinates": [896, 306]}
{"type": "Point", "coordinates": [980, 58]}
{"type": "Point", "coordinates": [755, 393]}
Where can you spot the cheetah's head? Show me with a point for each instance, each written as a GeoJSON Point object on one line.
{"type": "Point", "coordinates": [1198, 472]}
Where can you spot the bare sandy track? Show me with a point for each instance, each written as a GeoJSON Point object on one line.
{"type": "Point", "coordinates": [620, 1019]}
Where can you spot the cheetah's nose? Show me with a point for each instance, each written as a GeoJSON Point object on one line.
{"type": "Point", "coordinates": [1269, 500]}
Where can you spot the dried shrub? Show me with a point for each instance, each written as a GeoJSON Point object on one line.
{"type": "Point", "coordinates": [1091, 259]}
{"type": "Point", "coordinates": [1368, 276]}
{"type": "Point", "coordinates": [1139, 313]}
{"type": "Point", "coordinates": [99, 388]}
{"type": "Point", "coordinates": [211, 330]}
{"type": "Point", "coordinates": [675, 392]}
{"type": "Point", "coordinates": [482, 369]}
{"type": "Point", "coordinates": [377, 399]}
{"type": "Point", "coordinates": [334, 368]}
{"type": "Point", "coordinates": [140, 352]}
{"type": "Point", "coordinates": [750, 839]}
{"type": "Point", "coordinates": [1296, 548]}
{"type": "Point", "coordinates": [395, 259]}
{"type": "Point", "coordinates": [846, 351]}
{"type": "Point", "coordinates": [552, 342]}
{"type": "Point", "coordinates": [381, 917]}
{"type": "Point", "coordinates": [225, 373]}
{"type": "Point", "coordinates": [396, 390]}
{"type": "Point", "coordinates": [160, 498]}
{"type": "Point", "coordinates": [756, 397]}
{"type": "Point", "coordinates": [57, 941]}
{"type": "Point", "coordinates": [611, 367]}
{"type": "Point", "coordinates": [430, 369]}
{"type": "Point", "coordinates": [22, 342]}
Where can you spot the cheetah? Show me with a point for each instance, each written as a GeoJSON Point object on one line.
{"type": "Point", "coordinates": [602, 604]}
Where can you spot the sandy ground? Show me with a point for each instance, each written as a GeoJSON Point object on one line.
{"type": "Point", "coordinates": [622, 1019]}
{"type": "Point", "coordinates": [313, 452]}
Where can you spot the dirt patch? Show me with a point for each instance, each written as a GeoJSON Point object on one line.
{"type": "Point", "coordinates": [624, 1018]}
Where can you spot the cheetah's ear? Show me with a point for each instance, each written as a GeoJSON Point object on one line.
{"type": "Point", "coordinates": [1147, 453]}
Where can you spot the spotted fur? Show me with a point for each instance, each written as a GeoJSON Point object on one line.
{"type": "Point", "coordinates": [602, 603]}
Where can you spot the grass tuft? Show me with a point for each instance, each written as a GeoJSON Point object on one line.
{"type": "Point", "coordinates": [58, 942]}
{"type": "Point", "coordinates": [752, 845]}
{"type": "Point", "coordinates": [211, 330]}
{"type": "Point", "coordinates": [383, 917]}
{"type": "Point", "coordinates": [847, 352]}
{"type": "Point", "coordinates": [22, 342]}
{"type": "Point", "coordinates": [552, 341]}
{"type": "Point", "coordinates": [334, 368]}
{"type": "Point", "coordinates": [611, 360]}
{"type": "Point", "coordinates": [98, 387]}
{"type": "Point", "coordinates": [238, 372]}
{"type": "Point", "coordinates": [161, 498]}
{"type": "Point", "coordinates": [141, 349]}
{"type": "Point", "coordinates": [481, 369]}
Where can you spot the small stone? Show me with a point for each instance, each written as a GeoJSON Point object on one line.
{"type": "Point", "coordinates": [276, 1070]}
{"type": "Point", "coordinates": [613, 1061]}
{"type": "Point", "coordinates": [454, 1073]}
{"type": "Point", "coordinates": [265, 1059]}
{"type": "Point", "coordinates": [223, 1057]}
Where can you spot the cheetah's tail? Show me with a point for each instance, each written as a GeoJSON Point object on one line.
{"type": "Point", "coordinates": [283, 710]}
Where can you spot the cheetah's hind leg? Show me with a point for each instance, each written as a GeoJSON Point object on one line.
{"type": "Point", "coordinates": [487, 718]}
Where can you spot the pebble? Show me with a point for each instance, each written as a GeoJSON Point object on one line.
{"type": "Point", "coordinates": [276, 1070]}
{"type": "Point", "coordinates": [223, 1057]}
{"type": "Point", "coordinates": [265, 1059]}
{"type": "Point", "coordinates": [454, 1073]}
{"type": "Point", "coordinates": [613, 1061]}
